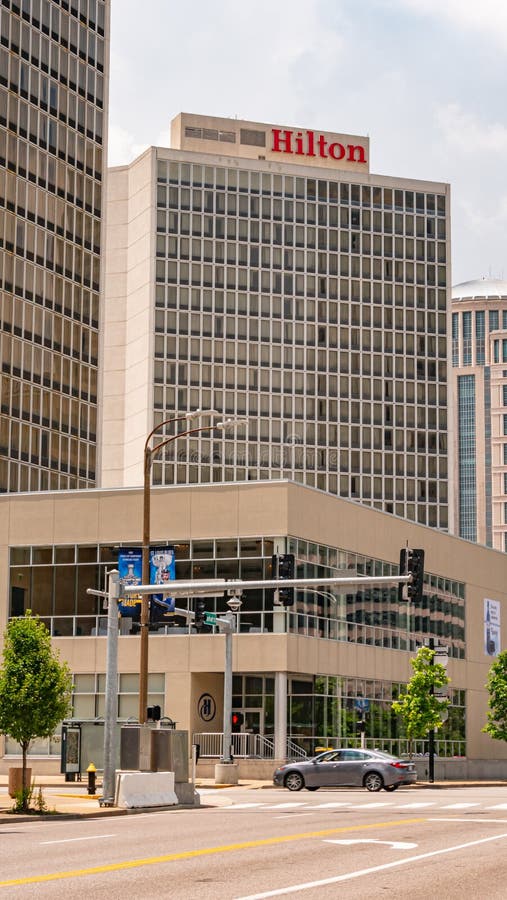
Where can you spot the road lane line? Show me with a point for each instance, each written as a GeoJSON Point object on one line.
{"type": "Point", "coordinates": [498, 806]}
{"type": "Point", "coordinates": [205, 851]}
{"type": "Point", "coordinates": [285, 806]}
{"type": "Point", "coordinates": [242, 806]}
{"type": "Point", "coordinates": [91, 837]}
{"type": "Point", "coordinates": [360, 872]}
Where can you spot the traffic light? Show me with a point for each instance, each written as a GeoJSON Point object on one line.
{"type": "Point", "coordinates": [361, 726]}
{"type": "Point", "coordinates": [153, 713]}
{"type": "Point", "coordinates": [237, 720]}
{"type": "Point", "coordinates": [284, 567]}
{"type": "Point", "coordinates": [200, 609]}
{"type": "Point", "coordinates": [412, 563]}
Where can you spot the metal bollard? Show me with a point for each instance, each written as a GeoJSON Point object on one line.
{"type": "Point", "coordinates": [92, 773]}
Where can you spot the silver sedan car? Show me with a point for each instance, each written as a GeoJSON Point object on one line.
{"type": "Point", "coordinates": [371, 769]}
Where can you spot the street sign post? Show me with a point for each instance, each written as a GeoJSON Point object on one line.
{"type": "Point", "coordinates": [210, 618]}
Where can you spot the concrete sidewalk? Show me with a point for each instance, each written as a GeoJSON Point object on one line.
{"type": "Point", "coordinates": [71, 799]}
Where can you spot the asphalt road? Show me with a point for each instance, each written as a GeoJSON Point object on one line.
{"type": "Point", "coordinates": [267, 843]}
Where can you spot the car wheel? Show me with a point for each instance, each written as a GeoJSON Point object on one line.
{"type": "Point", "coordinates": [391, 787]}
{"type": "Point", "coordinates": [294, 781]}
{"type": "Point", "coordinates": [373, 781]}
{"type": "Point", "coordinates": [314, 787]}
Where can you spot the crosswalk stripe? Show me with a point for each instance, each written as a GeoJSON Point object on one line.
{"type": "Point", "coordinates": [246, 805]}
{"type": "Point", "coordinates": [327, 805]}
{"type": "Point", "coordinates": [285, 806]}
{"type": "Point", "coordinates": [413, 805]}
{"type": "Point", "coordinates": [460, 805]}
{"type": "Point", "coordinates": [367, 805]}
{"type": "Point", "coordinates": [498, 806]}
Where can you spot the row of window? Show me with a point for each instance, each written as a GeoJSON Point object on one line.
{"type": "Point", "coordinates": [275, 282]}
{"type": "Point", "coordinates": [43, 48]}
{"type": "Point", "coordinates": [300, 188]}
{"type": "Point", "coordinates": [302, 334]}
{"type": "Point", "coordinates": [45, 328]}
{"type": "Point", "coordinates": [57, 177]}
{"type": "Point", "coordinates": [31, 282]}
{"type": "Point", "coordinates": [47, 449]}
{"type": "Point", "coordinates": [355, 313]}
{"type": "Point", "coordinates": [30, 403]}
{"type": "Point", "coordinates": [276, 356]}
{"type": "Point", "coordinates": [17, 476]}
{"type": "Point", "coordinates": [45, 15]}
{"type": "Point", "coordinates": [268, 254]}
{"type": "Point", "coordinates": [27, 121]}
{"type": "Point", "coordinates": [302, 213]}
{"type": "Point", "coordinates": [43, 248]}
{"type": "Point", "coordinates": [43, 367]}
{"type": "Point", "coordinates": [309, 384]}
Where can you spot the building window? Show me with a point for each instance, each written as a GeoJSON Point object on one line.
{"type": "Point", "coordinates": [467, 338]}
{"type": "Point", "coordinates": [254, 138]}
{"type": "Point", "coordinates": [455, 339]}
{"type": "Point", "coordinates": [505, 454]}
{"type": "Point", "coordinates": [496, 351]}
{"type": "Point", "coordinates": [493, 320]}
{"type": "Point", "coordinates": [504, 394]}
{"type": "Point", "coordinates": [480, 335]}
{"type": "Point", "coordinates": [466, 458]}
{"type": "Point", "coordinates": [505, 424]}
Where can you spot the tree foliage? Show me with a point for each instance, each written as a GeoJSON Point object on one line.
{"type": "Point", "coordinates": [418, 706]}
{"type": "Point", "coordinates": [496, 685]}
{"type": "Point", "coordinates": [35, 687]}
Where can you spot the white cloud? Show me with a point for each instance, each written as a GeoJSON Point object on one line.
{"type": "Point", "coordinates": [488, 16]}
{"type": "Point", "coordinates": [122, 146]}
{"type": "Point", "coordinates": [466, 134]}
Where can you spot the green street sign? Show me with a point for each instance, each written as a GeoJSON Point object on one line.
{"type": "Point", "coordinates": [210, 618]}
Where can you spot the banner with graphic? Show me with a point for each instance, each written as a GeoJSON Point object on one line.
{"type": "Point", "coordinates": [491, 627]}
{"type": "Point", "coordinates": [162, 570]}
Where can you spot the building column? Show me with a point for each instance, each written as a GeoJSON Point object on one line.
{"type": "Point", "coordinates": [280, 715]}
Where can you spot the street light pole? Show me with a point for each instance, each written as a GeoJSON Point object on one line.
{"type": "Point", "coordinates": [149, 453]}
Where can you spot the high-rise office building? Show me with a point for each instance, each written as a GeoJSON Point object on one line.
{"type": "Point", "coordinates": [263, 271]}
{"type": "Point", "coordinates": [479, 385]}
{"type": "Point", "coordinates": [53, 109]}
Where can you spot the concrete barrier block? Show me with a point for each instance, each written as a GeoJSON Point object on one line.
{"type": "Point", "coordinates": [145, 789]}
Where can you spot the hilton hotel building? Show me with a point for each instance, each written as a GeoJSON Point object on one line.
{"type": "Point", "coordinates": [262, 271]}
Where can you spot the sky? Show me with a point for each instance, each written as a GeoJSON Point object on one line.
{"type": "Point", "coordinates": [426, 80]}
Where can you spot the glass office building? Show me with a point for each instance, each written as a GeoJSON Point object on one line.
{"type": "Point", "coordinates": [479, 385]}
{"type": "Point", "coordinates": [53, 110]}
{"type": "Point", "coordinates": [264, 273]}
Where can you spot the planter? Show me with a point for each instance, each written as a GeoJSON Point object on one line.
{"type": "Point", "coordinates": [16, 780]}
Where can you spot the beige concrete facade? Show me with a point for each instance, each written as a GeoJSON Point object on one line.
{"type": "Point", "coordinates": [276, 143]}
{"type": "Point", "coordinates": [193, 664]}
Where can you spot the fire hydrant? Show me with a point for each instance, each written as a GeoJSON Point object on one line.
{"type": "Point", "coordinates": [92, 772]}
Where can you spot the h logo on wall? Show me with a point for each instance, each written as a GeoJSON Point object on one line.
{"type": "Point", "coordinates": [491, 627]}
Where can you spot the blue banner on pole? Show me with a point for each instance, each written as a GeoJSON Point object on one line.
{"type": "Point", "coordinates": [162, 570]}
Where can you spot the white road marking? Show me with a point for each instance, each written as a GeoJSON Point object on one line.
{"type": "Point", "coordinates": [367, 805]}
{"type": "Point", "coordinates": [328, 805]}
{"type": "Point", "coordinates": [360, 872]}
{"type": "Point", "coordinates": [498, 806]}
{"type": "Point", "coordinates": [285, 806]}
{"type": "Point", "coordinates": [91, 837]}
{"type": "Point", "coordinates": [294, 815]}
{"type": "Point", "coordinates": [414, 805]}
{"type": "Point", "coordinates": [394, 845]}
{"type": "Point", "coordinates": [244, 805]}
{"type": "Point", "coordinates": [459, 805]}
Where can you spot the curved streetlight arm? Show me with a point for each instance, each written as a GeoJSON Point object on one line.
{"type": "Point", "coordinates": [153, 450]}
{"type": "Point", "coordinates": [149, 453]}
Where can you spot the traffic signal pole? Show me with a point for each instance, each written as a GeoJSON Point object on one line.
{"type": "Point", "coordinates": [227, 739]}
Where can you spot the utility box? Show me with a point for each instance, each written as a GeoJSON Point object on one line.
{"type": "Point", "coordinates": [169, 752]}
{"type": "Point", "coordinates": [135, 748]}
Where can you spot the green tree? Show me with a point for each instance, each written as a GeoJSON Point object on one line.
{"type": "Point", "coordinates": [35, 687]}
{"type": "Point", "coordinates": [418, 706]}
{"type": "Point", "coordinates": [496, 685]}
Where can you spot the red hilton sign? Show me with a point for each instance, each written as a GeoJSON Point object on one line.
{"type": "Point", "coordinates": [309, 143]}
